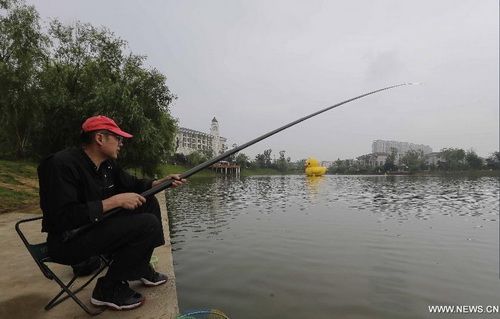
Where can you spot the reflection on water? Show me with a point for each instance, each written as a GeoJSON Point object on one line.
{"type": "Point", "coordinates": [359, 246]}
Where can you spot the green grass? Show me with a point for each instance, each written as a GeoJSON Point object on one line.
{"type": "Point", "coordinates": [23, 169]}
{"type": "Point", "coordinates": [9, 179]}
{"type": "Point", "coordinates": [18, 185]}
{"type": "Point", "coordinates": [12, 199]}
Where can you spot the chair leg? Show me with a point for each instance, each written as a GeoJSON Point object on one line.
{"type": "Point", "coordinates": [65, 288]}
{"type": "Point", "coordinates": [72, 295]}
{"type": "Point", "coordinates": [55, 301]}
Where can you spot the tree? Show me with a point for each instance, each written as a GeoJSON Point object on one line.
{"type": "Point", "coordinates": [23, 53]}
{"type": "Point", "coordinates": [390, 161]}
{"type": "Point", "coordinates": [413, 159]}
{"type": "Point", "coordinates": [180, 159]}
{"type": "Point", "coordinates": [473, 160]}
{"type": "Point", "coordinates": [282, 164]}
{"type": "Point", "coordinates": [453, 159]}
{"type": "Point", "coordinates": [196, 158]}
{"type": "Point", "coordinates": [89, 75]}
{"type": "Point", "coordinates": [51, 83]}
{"type": "Point", "coordinates": [301, 162]}
{"type": "Point", "coordinates": [263, 160]}
{"type": "Point", "coordinates": [260, 161]}
{"type": "Point", "coordinates": [267, 158]}
{"type": "Point", "coordinates": [207, 153]}
{"type": "Point", "coordinates": [341, 166]}
{"type": "Point", "coordinates": [232, 158]}
{"type": "Point", "coordinates": [242, 160]}
{"type": "Point", "coordinates": [493, 161]}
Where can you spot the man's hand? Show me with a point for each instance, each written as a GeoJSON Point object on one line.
{"type": "Point", "coordinates": [124, 200]}
{"type": "Point", "coordinates": [176, 177]}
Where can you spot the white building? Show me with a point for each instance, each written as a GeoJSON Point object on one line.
{"type": "Point", "coordinates": [187, 140]}
{"type": "Point", "coordinates": [433, 158]}
{"type": "Point", "coordinates": [373, 159]}
{"type": "Point", "coordinates": [381, 146]}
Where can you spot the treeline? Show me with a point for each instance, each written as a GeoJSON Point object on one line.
{"type": "Point", "coordinates": [53, 78]}
{"type": "Point", "coordinates": [449, 159]}
{"type": "Point", "coordinates": [265, 160]}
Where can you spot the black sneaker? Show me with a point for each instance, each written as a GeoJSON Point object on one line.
{"type": "Point", "coordinates": [116, 295]}
{"type": "Point", "coordinates": [153, 278]}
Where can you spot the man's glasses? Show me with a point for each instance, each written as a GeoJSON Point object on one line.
{"type": "Point", "coordinates": [118, 137]}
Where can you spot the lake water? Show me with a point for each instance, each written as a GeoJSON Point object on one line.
{"type": "Point", "coordinates": [337, 246]}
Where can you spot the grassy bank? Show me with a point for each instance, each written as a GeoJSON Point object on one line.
{"type": "Point", "coordinates": [18, 185]}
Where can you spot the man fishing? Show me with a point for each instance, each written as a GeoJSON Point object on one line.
{"type": "Point", "coordinates": [81, 191]}
{"type": "Point", "coordinates": [79, 186]}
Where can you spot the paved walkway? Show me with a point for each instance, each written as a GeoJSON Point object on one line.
{"type": "Point", "coordinates": [25, 291]}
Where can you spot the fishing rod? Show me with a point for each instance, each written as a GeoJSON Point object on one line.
{"type": "Point", "coordinates": [154, 190]}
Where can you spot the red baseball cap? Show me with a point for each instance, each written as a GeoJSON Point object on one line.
{"type": "Point", "coordinates": [101, 122]}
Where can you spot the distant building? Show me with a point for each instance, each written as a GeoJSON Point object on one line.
{"type": "Point", "coordinates": [188, 141]}
{"type": "Point", "coordinates": [381, 146]}
{"type": "Point", "coordinates": [326, 163]}
{"type": "Point", "coordinates": [433, 158]}
{"type": "Point", "coordinates": [373, 159]}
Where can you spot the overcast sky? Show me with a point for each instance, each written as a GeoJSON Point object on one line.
{"type": "Point", "coordinates": [256, 65]}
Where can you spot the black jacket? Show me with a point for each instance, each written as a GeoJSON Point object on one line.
{"type": "Point", "coordinates": [72, 189]}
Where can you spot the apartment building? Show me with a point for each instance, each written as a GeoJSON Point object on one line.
{"type": "Point", "coordinates": [187, 140]}
{"type": "Point", "coordinates": [382, 146]}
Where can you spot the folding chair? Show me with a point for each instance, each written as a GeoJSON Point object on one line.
{"type": "Point", "coordinates": [39, 252]}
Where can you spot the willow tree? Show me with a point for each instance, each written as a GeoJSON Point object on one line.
{"type": "Point", "coordinates": [51, 82]}
{"type": "Point", "coordinates": [88, 74]}
{"type": "Point", "coordinates": [23, 55]}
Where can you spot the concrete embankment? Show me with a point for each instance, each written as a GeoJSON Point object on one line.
{"type": "Point", "coordinates": [25, 291]}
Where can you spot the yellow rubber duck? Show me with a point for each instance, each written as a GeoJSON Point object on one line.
{"type": "Point", "coordinates": [313, 168]}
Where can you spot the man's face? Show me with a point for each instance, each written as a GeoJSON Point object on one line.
{"type": "Point", "coordinates": [111, 145]}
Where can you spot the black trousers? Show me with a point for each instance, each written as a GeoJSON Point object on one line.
{"type": "Point", "coordinates": [129, 236]}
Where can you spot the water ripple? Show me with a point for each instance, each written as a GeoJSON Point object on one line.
{"type": "Point", "coordinates": [376, 246]}
{"type": "Point", "coordinates": [392, 197]}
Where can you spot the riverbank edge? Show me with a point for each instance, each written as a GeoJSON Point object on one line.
{"type": "Point", "coordinates": [26, 290]}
